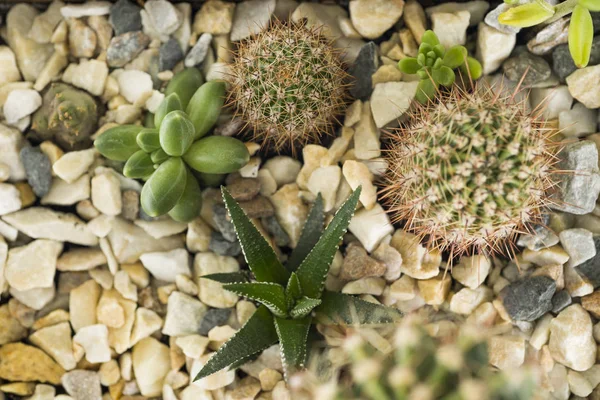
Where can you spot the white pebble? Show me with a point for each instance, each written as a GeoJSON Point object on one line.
{"type": "Point", "coordinates": [20, 103]}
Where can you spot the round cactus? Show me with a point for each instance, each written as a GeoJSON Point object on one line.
{"type": "Point", "coordinates": [471, 171]}
{"type": "Point", "coordinates": [288, 84]}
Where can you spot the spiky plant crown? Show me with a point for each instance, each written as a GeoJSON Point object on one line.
{"type": "Point", "coordinates": [471, 171]}
{"type": "Point", "coordinates": [288, 85]}
{"type": "Point", "coordinates": [412, 363]}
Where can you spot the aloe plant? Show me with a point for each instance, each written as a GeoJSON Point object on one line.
{"type": "Point", "coordinates": [289, 295]}
{"type": "Point", "coordinates": [435, 66]}
{"type": "Point", "coordinates": [581, 28]}
{"type": "Point", "coordinates": [165, 155]}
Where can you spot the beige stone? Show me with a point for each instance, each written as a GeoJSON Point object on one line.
{"type": "Point", "coordinates": [151, 365]}
{"type": "Point", "coordinates": [82, 304]}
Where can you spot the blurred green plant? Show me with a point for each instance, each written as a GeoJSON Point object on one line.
{"type": "Point", "coordinates": [410, 364]}
{"type": "Point", "coordinates": [289, 295]}
{"type": "Point", "coordinates": [435, 66]}
{"type": "Point", "coordinates": [165, 154]}
{"type": "Point", "coordinates": [581, 28]}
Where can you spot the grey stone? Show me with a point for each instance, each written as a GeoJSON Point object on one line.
{"type": "Point", "coordinates": [560, 301]}
{"type": "Point", "coordinates": [529, 298]}
{"type": "Point", "coordinates": [250, 18]}
{"type": "Point", "coordinates": [125, 17]}
{"type": "Point", "coordinates": [280, 236]}
{"type": "Point", "coordinates": [222, 246]}
{"type": "Point", "coordinates": [540, 238]}
{"type": "Point", "coordinates": [82, 385]}
{"type": "Point", "coordinates": [364, 67]}
{"type": "Point", "coordinates": [534, 68]}
{"type": "Point", "coordinates": [590, 269]}
{"type": "Point", "coordinates": [170, 54]}
{"type": "Point", "coordinates": [198, 53]}
{"type": "Point", "coordinates": [223, 223]}
{"type": "Point", "coordinates": [562, 62]}
{"type": "Point", "coordinates": [579, 244]}
{"type": "Point", "coordinates": [38, 169]}
{"type": "Point", "coordinates": [124, 48]}
{"type": "Point", "coordinates": [579, 188]}
{"type": "Point", "coordinates": [214, 317]}
{"type": "Point", "coordinates": [492, 20]}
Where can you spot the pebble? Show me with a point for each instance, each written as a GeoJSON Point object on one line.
{"type": "Point", "coordinates": [32, 266]}
{"type": "Point", "coordinates": [164, 16]}
{"type": "Point", "coordinates": [20, 362]}
{"type": "Point", "coordinates": [56, 341]}
{"type": "Point", "coordinates": [528, 299]}
{"type": "Point", "coordinates": [555, 100]}
{"type": "Point", "coordinates": [198, 236]}
{"type": "Point", "coordinates": [212, 382]}
{"type": "Point", "coordinates": [258, 207]}
{"type": "Point", "coordinates": [244, 189]}
{"type": "Point", "coordinates": [370, 227]}
{"type": "Point", "coordinates": [435, 290]}
{"type": "Point", "coordinates": [125, 47]}
{"type": "Point", "coordinates": [72, 165]}
{"type": "Point", "coordinates": [466, 300]}
{"type": "Point", "coordinates": [534, 68]}
{"type": "Point", "coordinates": [371, 18]}
{"type": "Point", "coordinates": [131, 205]}
{"type": "Point", "coordinates": [493, 47]}
{"type": "Point", "coordinates": [283, 169]}
{"type": "Point", "coordinates": [451, 28]}
{"type": "Point", "coordinates": [506, 352]}
{"type": "Point", "coordinates": [134, 84]}
{"type": "Point", "coordinates": [590, 269]}
{"type": "Point", "coordinates": [579, 244]}
{"type": "Point", "coordinates": [357, 264]}
{"type": "Point", "coordinates": [213, 318]}
{"type": "Point", "coordinates": [21, 103]}
{"type": "Point", "coordinates": [357, 174]}
{"type": "Point", "coordinates": [9, 72]}
{"type": "Point", "coordinates": [146, 323]}
{"type": "Point", "coordinates": [290, 210]}
{"type": "Point", "coordinates": [106, 194]}
{"type": "Point", "coordinates": [125, 17]}
{"type": "Point", "coordinates": [38, 169]}
{"type": "Point", "coordinates": [571, 341]}
{"type": "Point", "coordinates": [577, 122]}
{"type": "Point", "coordinates": [591, 303]}
{"type": "Point", "coordinates": [184, 315]}
{"type": "Point", "coordinates": [325, 180]}
{"type": "Point", "coordinates": [82, 305]}
{"type": "Point", "coordinates": [162, 227]}
{"type": "Point", "coordinates": [369, 285]}
{"type": "Point", "coordinates": [362, 70]}
{"type": "Point", "coordinates": [563, 65]}
{"type": "Point", "coordinates": [10, 198]}
{"type": "Point", "coordinates": [561, 300]}
{"type": "Point", "coordinates": [44, 392]}
{"type": "Point", "coordinates": [193, 346]}
{"type": "Point", "coordinates": [215, 17]}
{"type": "Point", "coordinates": [491, 19]}
{"type": "Point", "coordinates": [151, 363]}
{"type": "Point", "coordinates": [549, 37]}
{"type": "Point", "coordinates": [170, 54]}
{"type": "Point", "coordinates": [471, 271]}
{"type": "Point", "coordinates": [390, 101]}
{"type": "Point", "coordinates": [416, 261]}
{"type": "Point", "coordinates": [211, 292]}
{"type": "Point", "coordinates": [11, 142]}
{"type": "Point", "coordinates": [12, 330]}
{"type": "Point", "coordinates": [224, 247]}
{"type": "Point", "coordinates": [88, 9]}
{"type": "Point", "coordinates": [82, 39]}
{"type": "Point", "coordinates": [251, 17]}
{"type": "Point", "coordinates": [198, 53]}
{"type": "Point", "coordinates": [272, 225]}
{"type": "Point", "coordinates": [109, 312]}
{"type": "Point", "coordinates": [579, 190]}
{"type": "Point", "coordinates": [579, 83]}
{"type": "Point", "coordinates": [183, 34]}
{"type": "Point", "coordinates": [186, 285]}
{"type": "Point", "coordinates": [225, 226]}
{"type": "Point", "coordinates": [477, 9]}
{"type": "Point", "coordinates": [89, 75]}
{"type": "Point", "coordinates": [165, 266]}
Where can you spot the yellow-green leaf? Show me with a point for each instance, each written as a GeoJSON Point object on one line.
{"type": "Point", "coordinates": [176, 133]}
{"type": "Point", "coordinates": [592, 5]}
{"type": "Point", "coordinates": [409, 65]}
{"type": "Point", "coordinates": [527, 15]}
{"type": "Point", "coordinates": [139, 165]}
{"type": "Point", "coordinates": [164, 188]}
{"type": "Point", "coordinates": [581, 35]}
{"type": "Point", "coordinates": [118, 143]}
{"type": "Point", "coordinates": [430, 38]}
{"type": "Point", "coordinates": [455, 56]}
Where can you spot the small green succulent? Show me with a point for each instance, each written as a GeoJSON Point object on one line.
{"type": "Point", "coordinates": [435, 66]}
{"type": "Point", "coordinates": [165, 154]}
{"type": "Point", "coordinates": [581, 28]}
{"type": "Point", "coordinates": [289, 295]}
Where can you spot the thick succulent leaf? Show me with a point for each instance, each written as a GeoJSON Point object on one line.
{"type": "Point", "coordinates": [445, 76]}
{"type": "Point", "coordinates": [293, 335]}
{"type": "Point", "coordinates": [343, 309]}
{"type": "Point", "coordinates": [581, 35]}
{"type": "Point", "coordinates": [426, 90]}
{"type": "Point", "coordinates": [169, 104]}
{"type": "Point", "coordinates": [228, 277]}
{"type": "Point", "coordinates": [303, 307]}
{"type": "Point", "coordinates": [430, 38]}
{"type": "Point", "coordinates": [261, 258]}
{"type": "Point", "coordinates": [409, 65]}
{"type": "Point", "coordinates": [118, 143]}
{"type": "Point", "coordinates": [472, 67]}
{"type": "Point", "coordinates": [148, 140]}
{"type": "Point", "coordinates": [159, 156]}
{"type": "Point", "coordinates": [255, 336]}
{"type": "Point", "coordinates": [139, 165]}
{"type": "Point", "coordinates": [293, 291]}
{"type": "Point", "coordinates": [455, 57]}
{"type": "Point", "coordinates": [312, 230]}
{"type": "Point", "coordinates": [592, 5]}
{"type": "Point", "coordinates": [527, 15]}
{"type": "Point", "coordinates": [164, 188]}
{"type": "Point", "coordinates": [205, 106]}
{"type": "Point", "coordinates": [176, 133]}
{"type": "Point", "coordinates": [271, 295]}
{"type": "Point", "coordinates": [189, 204]}
{"type": "Point", "coordinates": [185, 83]}
{"type": "Point", "coordinates": [315, 266]}
{"type": "Point", "coordinates": [217, 155]}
